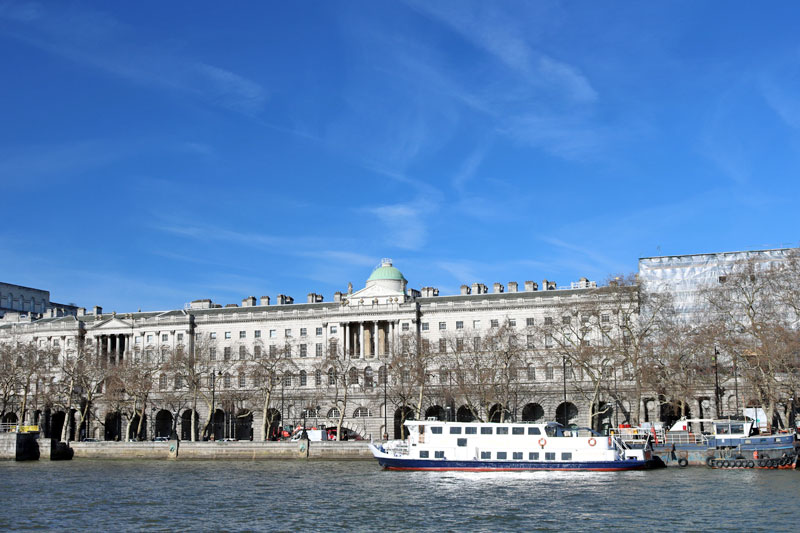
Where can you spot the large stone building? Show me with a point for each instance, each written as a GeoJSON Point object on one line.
{"type": "Point", "coordinates": [26, 303]}
{"type": "Point", "coordinates": [358, 338]}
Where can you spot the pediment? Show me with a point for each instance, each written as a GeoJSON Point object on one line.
{"type": "Point", "coordinates": [373, 292]}
{"type": "Point", "coordinates": [112, 323]}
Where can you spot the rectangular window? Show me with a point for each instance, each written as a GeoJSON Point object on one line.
{"type": "Point", "coordinates": [471, 430]}
{"type": "Point", "coordinates": [566, 320]}
{"type": "Point", "coordinates": [138, 340]}
{"type": "Point", "coordinates": [273, 333]}
{"type": "Point", "coordinates": [287, 333]}
{"type": "Point", "coordinates": [517, 456]}
{"type": "Point", "coordinates": [459, 324]}
{"type": "Point", "coordinates": [486, 455]}
{"type": "Point", "coordinates": [150, 338]}
{"type": "Point", "coordinates": [404, 326]}
{"type": "Point", "coordinates": [549, 456]}
{"type": "Point", "coordinates": [273, 350]}
{"type": "Point", "coordinates": [461, 442]}
{"type": "Point", "coordinates": [486, 431]}
{"type": "Point", "coordinates": [303, 332]}
{"type": "Point", "coordinates": [566, 456]}
{"type": "Point", "coordinates": [494, 323]}
{"type": "Point", "coordinates": [303, 350]}
{"type": "Point", "coordinates": [424, 326]}
{"type": "Point", "coordinates": [459, 345]}
{"type": "Point", "coordinates": [212, 354]}
{"type": "Point", "coordinates": [242, 334]}
{"type": "Point", "coordinates": [548, 321]}
{"type": "Point", "coordinates": [503, 430]}
{"type": "Point", "coordinates": [438, 454]}
{"type": "Point", "coordinates": [180, 337]}
{"type": "Point", "coordinates": [455, 430]}
{"type": "Point", "coordinates": [605, 319]}
{"type": "Point", "coordinates": [426, 345]}
{"type": "Point", "coordinates": [257, 334]}
{"type": "Point", "coordinates": [242, 353]}
{"type": "Point", "coordinates": [423, 454]}
{"type": "Point", "coordinates": [442, 346]}
{"type": "Point", "coordinates": [242, 381]}
{"type": "Point", "coordinates": [476, 344]}
{"type": "Point", "coordinates": [533, 456]}
{"type": "Point", "coordinates": [534, 431]}
{"type": "Point", "coordinates": [529, 322]}
{"type": "Point", "coordinates": [512, 322]}
{"type": "Point", "coordinates": [476, 324]}
{"type": "Point", "coordinates": [333, 330]}
{"type": "Point", "coordinates": [212, 335]}
{"type": "Point", "coordinates": [548, 341]}
{"type": "Point", "coordinates": [318, 332]}
{"type": "Point", "coordinates": [227, 334]}
{"type": "Point", "coordinates": [517, 431]}
{"type": "Point", "coordinates": [256, 351]}
{"type": "Point", "coordinates": [436, 430]}
{"type": "Point", "coordinates": [318, 350]}
{"type": "Point", "coordinates": [227, 353]}
{"type": "Point", "coordinates": [529, 341]}
{"type": "Point", "coordinates": [502, 456]}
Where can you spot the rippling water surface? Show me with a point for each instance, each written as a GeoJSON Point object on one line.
{"type": "Point", "coordinates": [358, 496]}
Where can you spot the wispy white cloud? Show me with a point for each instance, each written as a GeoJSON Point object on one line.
{"type": "Point", "coordinates": [97, 40]}
{"type": "Point", "coordinates": [404, 224]}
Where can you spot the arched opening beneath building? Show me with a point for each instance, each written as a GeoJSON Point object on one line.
{"type": "Point", "coordinates": [497, 413]}
{"type": "Point", "coordinates": [672, 411]}
{"type": "Point", "coordinates": [163, 426]}
{"type": "Point", "coordinates": [57, 421]}
{"type": "Point", "coordinates": [243, 426]}
{"type": "Point", "coordinates": [602, 417]}
{"type": "Point", "coordinates": [10, 418]}
{"type": "Point", "coordinates": [217, 429]}
{"type": "Point", "coordinates": [400, 416]}
{"type": "Point", "coordinates": [136, 432]}
{"type": "Point", "coordinates": [464, 414]}
{"type": "Point", "coordinates": [37, 418]}
{"type": "Point", "coordinates": [186, 425]}
{"type": "Point", "coordinates": [113, 426]}
{"type": "Point", "coordinates": [274, 421]}
{"type": "Point", "coordinates": [532, 412]}
{"type": "Point", "coordinates": [47, 423]}
{"type": "Point", "coordinates": [566, 414]}
{"type": "Point", "coordinates": [435, 411]}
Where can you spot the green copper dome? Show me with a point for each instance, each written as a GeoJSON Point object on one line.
{"type": "Point", "coordinates": [386, 271]}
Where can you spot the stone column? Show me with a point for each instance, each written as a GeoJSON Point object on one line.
{"type": "Point", "coordinates": [375, 340]}
{"type": "Point", "coordinates": [361, 340]}
{"type": "Point", "coordinates": [346, 329]}
{"type": "Point", "coordinates": [108, 348]}
{"type": "Point", "coordinates": [391, 336]}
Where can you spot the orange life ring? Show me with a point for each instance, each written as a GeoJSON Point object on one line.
{"type": "Point", "coordinates": [592, 442]}
{"type": "Point", "coordinates": [542, 442]}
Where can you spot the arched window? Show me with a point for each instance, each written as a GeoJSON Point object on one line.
{"type": "Point", "coordinates": [303, 378]}
{"type": "Point", "coordinates": [443, 375]}
{"type": "Point", "coordinates": [531, 373]}
{"type": "Point", "coordinates": [242, 380]}
{"type": "Point", "coordinates": [226, 380]}
{"type": "Point", "coordinates": [548, 371]}
{"type": "Point", "coordinates": [162, 382]}
{"type": "Point", "coordinates": [178, 381]}
{"type": "Point", "coordinates": [353, 376]}
{"type": "Point", "coordinates": [287, 380]}
{"type": "Point", "coordinates": [361, 412]}
{"type": "Point", "coordinates": [333, 412]}
{"type": "Point", "coordinates": [382, 375]}
{"type": "Point", "coordinates": [369, 379]}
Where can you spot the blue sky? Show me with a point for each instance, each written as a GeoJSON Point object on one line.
{"type": "Point", "coordinates": [159, 152]}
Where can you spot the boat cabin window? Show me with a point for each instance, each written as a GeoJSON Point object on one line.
{"type": "Point", "coordinates": [566, 456]}
{"type": "Point", "coordinates": [423, 454]}
{"type": "Point", "coordinates": [549, 456]}
{"type": "Point", "coordinates": [421, 429]}
{"type": "Point", "coordinates": [486, 431]}
{"type": "Point", "coordinates": [737, 428]}
{"type": "Point", "coordinates": [517, 431]}
{"type": "Point", "coordinates": [533, 456]}
{"type": "Point", "coordinates": [455, 430]}
{"type": "Point", "coordinates": [534, 431]}
{"type": "Point", "coordinates": [502, 455]}
{"type": "Point", "coordinates": [551, 431]}
{"type": "Point", "coordinates": [517, 455]}
{"type": "Point", "coordinates": [462, 442]}
{"type": "Point", "coordinates": [486, 455]}
{"type": "Point", "coordinates": [436, 430]}
{"type": "Point", "coordinates": [502, 431]}
{"type": "Point", "coordinates": [471, 430]}
{"type": "Point", "coordinates": [438, 454]}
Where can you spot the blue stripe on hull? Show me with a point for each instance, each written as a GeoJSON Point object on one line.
{"type": "Point", "coordinates": [478, 466]}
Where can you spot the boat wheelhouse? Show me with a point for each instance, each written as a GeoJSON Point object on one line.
{"type": "Point", "coordinates": [474, 446]}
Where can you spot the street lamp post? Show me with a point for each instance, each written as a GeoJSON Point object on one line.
{"type": "Point", "coordinates": [385, 402]}
{"type": "Point", "coordinates": [717, 392]}
{"type": "Point", "coordinates": [212, 432]}
{"type": "Point", "coordinates": [564, 372]}
{"type": "Point", "coordinates": [153, 422]}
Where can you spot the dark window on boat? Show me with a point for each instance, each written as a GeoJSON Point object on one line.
{"type": "Point", "coordinates": [549, 456]}
{"type": "Point", "coordinates": [502, 431]}
{"type": "Point", "coordinates": [533, 456]}
{"type": "Point", "coordinates": [517, 431]}
{"type": "Point", "coordinates": [470, 430]}
{"type": "Point", "coordinates": [486, 431]}
{"type": "Point", "coordinates": [455, 430]}
{"type": "Point", "coordinates": [566, 456]}
{"type": "Point", "coordinates": [501, 455]}
{"type": "Point", "coordinates": [423, 454]}
{"type": "Point", "coordinates": [534, 431]}
{"type": "Point", "coordinates": [486, 455]}
{"type": "Point", "coordinates": [462, 442]}
{"type": "Point", "coordinates": [438, 454]}
{"type": "Point", "coordinates": [517, 455]}
{"type": "Point", "coordinates": [437, 430]}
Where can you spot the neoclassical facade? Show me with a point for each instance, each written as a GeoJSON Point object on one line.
{"type": "Point", "coordinates": [355, 339]}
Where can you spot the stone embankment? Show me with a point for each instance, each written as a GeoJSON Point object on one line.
{"type": "Point", "coordinates": [186, 450]}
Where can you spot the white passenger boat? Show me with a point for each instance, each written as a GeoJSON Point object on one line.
{"type": "Point", "coordinates": [474, 446]}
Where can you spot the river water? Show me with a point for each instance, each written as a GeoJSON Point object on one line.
{"type": "Point", "coordinates": [358, 496]}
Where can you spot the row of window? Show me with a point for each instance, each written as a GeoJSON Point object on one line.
{"type": "Point", "coordinates": [487, 430]}
{"type": "Point", "coordinates": [511, 322]}
{"type": "Point", "coordinates": [227, 351]}
{"type": "Point", "coordinates": [273, 333]}
{"type": "Point", "coordinates": [502, 456]}
{"type": "Point", "coordinates": [353, 377]}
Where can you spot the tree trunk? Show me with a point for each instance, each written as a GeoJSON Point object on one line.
{"type": "Point", "coordinates": [265, 421]}
{"type": "Point", "coordinates": [194, 417]}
